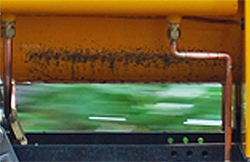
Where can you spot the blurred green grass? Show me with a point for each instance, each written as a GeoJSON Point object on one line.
{"type": "Point", "coordinates": [144, 107]}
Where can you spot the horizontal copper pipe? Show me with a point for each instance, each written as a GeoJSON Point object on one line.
{"type": "Point", "coordinates": [7, 75]}
{"type": "Point", "coordinates": [227, 88]}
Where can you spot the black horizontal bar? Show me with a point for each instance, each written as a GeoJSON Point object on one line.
{"type": "Point", "coordinates": [122, 138]}
{"type": "Point", "coordinates": [163, 153]}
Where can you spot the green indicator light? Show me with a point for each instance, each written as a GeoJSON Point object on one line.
{"type": "Point", "coordinates": [185, 140]}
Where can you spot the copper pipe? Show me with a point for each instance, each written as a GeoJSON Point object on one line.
{"type": "Point", "coordinates": [8, 52]}
{"type": "Point", "coordinates": [227, 88]}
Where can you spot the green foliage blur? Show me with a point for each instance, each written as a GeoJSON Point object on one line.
{"type": "Point", "coordinates": [119, 107]}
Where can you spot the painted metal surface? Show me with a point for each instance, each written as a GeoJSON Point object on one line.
{"type": "Point", "coordinates": [102, 49]}
{"type": "Point", "coordinates": [247, 53]}
{"type": "Point", "coordinates": [6, 152]}
{"type": "Point", "coordinates": [126, 152]}
{"type": "Point", "coordinates": [119, 7]}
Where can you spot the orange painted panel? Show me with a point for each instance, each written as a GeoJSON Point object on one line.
{"type": "Point", "coordinates": [102, 49]}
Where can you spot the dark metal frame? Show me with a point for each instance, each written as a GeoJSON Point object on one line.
{"type": "Point", "coordinates": [180, 153]}
{"type": "Point", "coordinates": [126, 147]}
{"type": "Point", "coordinates": [121, 138]}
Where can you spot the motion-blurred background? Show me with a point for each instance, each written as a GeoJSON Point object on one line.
{"type": "Point", "coordinates": [119, 107]}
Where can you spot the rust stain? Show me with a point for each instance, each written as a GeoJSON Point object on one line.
{"type": "Point", "coordinates": [121, 50]}
{"type": "Point", "coordinates": [110, 56]}
{"type": "Point", "coordinates": [93, 65]}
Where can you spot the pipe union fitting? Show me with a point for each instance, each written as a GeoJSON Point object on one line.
{"type": "Point", "coordinates": [173, 31]}
{"type": "Point", "coordinates": [8, 30]}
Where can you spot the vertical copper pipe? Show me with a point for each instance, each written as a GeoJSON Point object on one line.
{"type": "Point", "coordinates": [8, 52]}
{"type": "Point", "coordinates": [227, 89]}
{"type": "Point", "coordinates": [228, 107]}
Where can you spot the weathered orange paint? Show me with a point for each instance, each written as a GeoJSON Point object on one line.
{"type": "Point", "coordinates": [104, 49]}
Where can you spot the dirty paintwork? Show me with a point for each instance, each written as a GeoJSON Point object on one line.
{"type": "Point", "coordinates": [107, 49]}
{"type": "Point", "coordinates": [92, 65]}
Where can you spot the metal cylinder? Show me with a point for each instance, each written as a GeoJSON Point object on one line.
{"type": "Point", "coordinates": [120, 7]}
